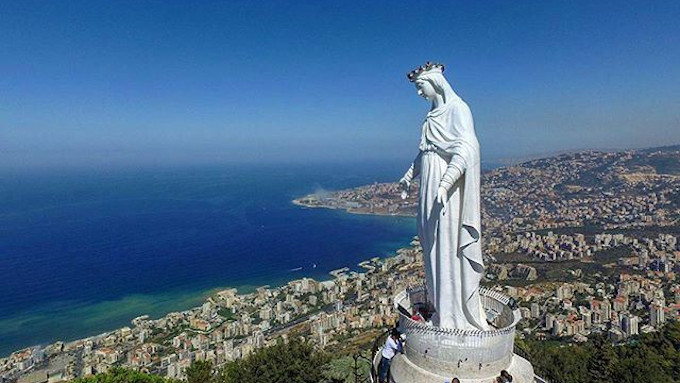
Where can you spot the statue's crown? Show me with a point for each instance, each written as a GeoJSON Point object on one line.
{"type": "Point", "coordinates": [427, 68]}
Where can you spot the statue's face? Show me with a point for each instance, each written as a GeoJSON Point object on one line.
{"type": "Point", "coordinates": [425, 89]}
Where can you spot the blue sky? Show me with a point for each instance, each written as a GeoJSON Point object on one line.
{"type": "Point", "coordinates": [144, 82]}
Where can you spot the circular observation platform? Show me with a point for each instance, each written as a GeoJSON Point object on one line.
{"type": "Point", "coordinates": [434, 354]}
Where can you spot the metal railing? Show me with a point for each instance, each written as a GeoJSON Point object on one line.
{"type": "Point", "coordinates": [451, 347]}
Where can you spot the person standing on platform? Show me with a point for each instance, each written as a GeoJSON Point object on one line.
{"type": "Point", "coordinates": [393, 345]}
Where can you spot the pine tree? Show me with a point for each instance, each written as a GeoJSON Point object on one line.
{"type": "Point", "coordinates": [602, 360]}
{"type": "Point", "coordinates": [199, 372]}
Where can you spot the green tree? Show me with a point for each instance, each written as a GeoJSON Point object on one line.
{"type": "Point", "coordinates": [602, 359]}
{"type": "Point", "coordinates": [123, 375]}
{"type": "Point", "coordinates": [342, 369]}
{"type": "Point", "coordinates": [199, 372]}
{"type": "Point", "coordinates": [641, 369]}
{"type": "Point", "coordinates": [568, 366]}
{"type": "Point", "coordinates": [564, 364]}
{"type": "Point", "coordinates": [293, 362]}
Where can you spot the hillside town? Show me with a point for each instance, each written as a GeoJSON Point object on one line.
{"type": "Point", "coordinates": [609, 189]}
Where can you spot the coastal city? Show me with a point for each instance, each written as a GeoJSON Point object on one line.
{"type": "Point", "coordinates": [231, 325]}
{"type": "Point", "coordinates": [339, 192]}
{"type": "Point", "coordinates": [585, 243]}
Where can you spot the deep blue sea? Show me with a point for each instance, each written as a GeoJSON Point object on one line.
{"type": "Point", "coordinates": [83, 252]}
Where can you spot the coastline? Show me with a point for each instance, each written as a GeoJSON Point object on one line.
{"type": "Point", "coordinates": [348, 209]}
{"type": "Point", "coordinates": [201, 297]}
{"type": "Point", "coordinates": [135, 306]}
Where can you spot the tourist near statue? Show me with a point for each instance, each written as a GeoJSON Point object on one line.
{"type": "Point", "coordinates": [448, 167]}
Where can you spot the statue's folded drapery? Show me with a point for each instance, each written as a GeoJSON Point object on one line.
{"type": "Point", "coordinates": [450, 234]}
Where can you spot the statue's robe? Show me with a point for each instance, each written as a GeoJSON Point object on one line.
{"type": "Point", "coordinates": [451, 233]}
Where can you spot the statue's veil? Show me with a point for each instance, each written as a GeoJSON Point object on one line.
{"type": "Point", "coordinates": [440, 128]}
{"type": "Point", "coordinates": [440, 85]}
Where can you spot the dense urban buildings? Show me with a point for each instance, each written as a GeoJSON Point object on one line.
{"type": "Point", "coordinates": [585, 242]}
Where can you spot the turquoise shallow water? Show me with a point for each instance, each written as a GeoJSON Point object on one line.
{"type": "Point", "coordinates": [85, 252]}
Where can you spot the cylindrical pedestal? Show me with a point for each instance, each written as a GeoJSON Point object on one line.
{"type": "Point", "coordinates": [433, 354]}
{"type": "Point", "coordinates": [405, 371]}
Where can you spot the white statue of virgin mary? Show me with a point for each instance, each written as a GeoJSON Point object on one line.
{"type": "Point", "coordinates": [449, 225]}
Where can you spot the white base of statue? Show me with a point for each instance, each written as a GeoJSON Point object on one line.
{"type": "Point", "coordinates": [437, 355]}
{"type": "Point", "coordinates": [405, 371]}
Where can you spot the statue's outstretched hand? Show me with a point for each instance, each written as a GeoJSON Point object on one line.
{"type": "Point", "coordinates": [442, 195]}
{"type": "Point", "coordinates": [404, 185]}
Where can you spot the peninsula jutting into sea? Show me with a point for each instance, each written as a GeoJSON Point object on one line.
{"type": "Point", "coordinates": [586, 243]}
